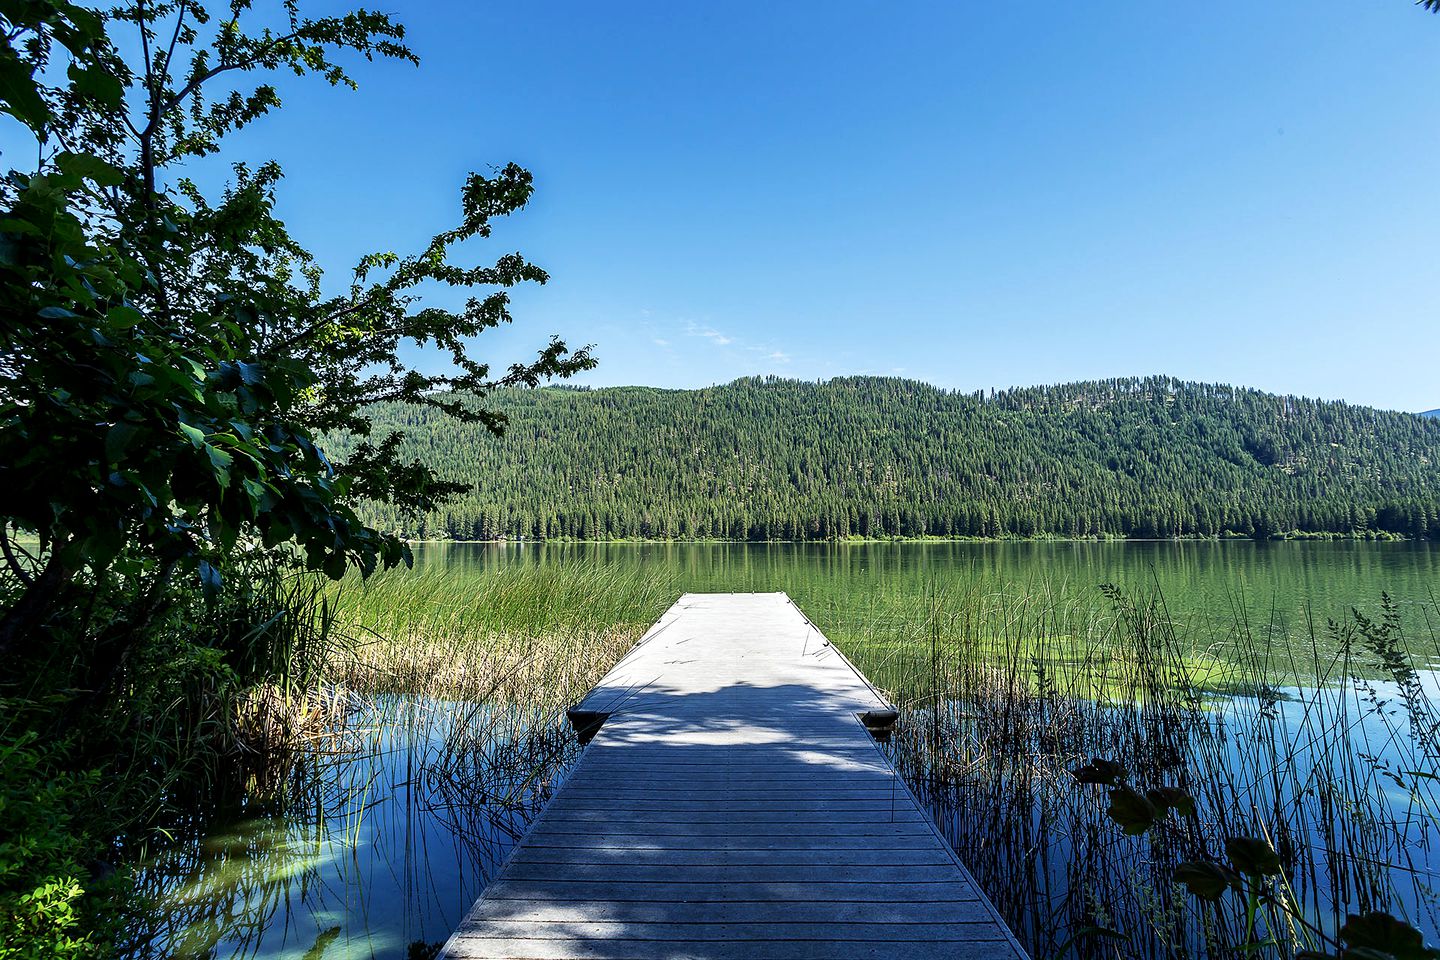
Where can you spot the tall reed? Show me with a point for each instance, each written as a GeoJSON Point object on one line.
{"type": "Point", "coordinates": [1321, 739]}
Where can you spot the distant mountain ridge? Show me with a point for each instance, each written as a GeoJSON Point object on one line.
{"type": "Point", "coordinates": [1431, 413]}
{"type": "Point", "coordinates": [767, 458]}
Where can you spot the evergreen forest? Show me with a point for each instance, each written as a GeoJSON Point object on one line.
{"type": "Point", "coordinates": [777, 459]}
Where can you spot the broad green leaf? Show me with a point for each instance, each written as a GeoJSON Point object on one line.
{"type": "Point", "coordinates": [90, 167]}
{"type": "Point", "coordinates": [1208, 881]}
{"type": "Point", "coordinates": [1172, 798]}
{"type": "Point", "coordinates": [221, 462]}
{"type": "Point", "coordinates": [118, 439]}
{"type": "Point", "coordinates": [1386, 936]}
{"type": "Point", "coordinates": [209, 578]}
{"type": "Point", "coordinates": [1133, 812]}
{"type": "Point", "coordinates": [259, 494]}
{"type": "Point", "coordinates": [96, 84]}
{"type": "Point", "coordinates": [19, 94]}
{"type": "Point", "coordinates": [334, 566]}
{"type": "Point", "coordinates": [1099, 770]}
{"type": "Point", "coordinates": [195, 435]}
{"type": "Point", "coordinates": [1252, 856]}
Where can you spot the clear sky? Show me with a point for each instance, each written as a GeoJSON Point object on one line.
{"type": "Point", "coordinates": [973, 194]}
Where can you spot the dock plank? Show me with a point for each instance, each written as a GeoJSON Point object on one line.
{"type": "Point", "coordinates": [732, 806]}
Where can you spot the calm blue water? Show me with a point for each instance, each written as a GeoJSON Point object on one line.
{"type": "Point", "coordinates": [382, 844]}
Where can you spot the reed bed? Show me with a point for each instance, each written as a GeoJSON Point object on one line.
{"type": "Point", "coordinates": [515, 634]}
{"type": "Point", "coordinates": [418, 717]}
{"type": "Point", "coordinates": [1320, 740]}
{"type": "Point", "coordinates": [492, 658]}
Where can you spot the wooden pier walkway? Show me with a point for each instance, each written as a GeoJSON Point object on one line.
{"type": "Point", "coordinates": [732, 807]}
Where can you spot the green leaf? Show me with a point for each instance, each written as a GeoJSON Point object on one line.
{"type": "Point", "coordinates": [125, 316]}
{"type": "Point", "coordinates": [259, 494]}
{"type": "Point", "coordinates": [1385, 936]}
{"type": "Point", "coordinates": [1208, 881]}
{"type": "Point", "coordinates": [195, 435]}
{"type": "Point", "coordinates": [1172, 798]}
{"type": "Point", "coordinates": [1252, 856]}
{"type": "Point", "coordinates": [117, 440]}
{"type": "Point", "coordinates": [209, 578]}
{"type": "Point", "coordinates": [96, 84]}
{"type": "Point", "coordinates": [19, 94]}
{"type": "Point", "coordinates": [90, 167]}
{"type": "Point", "coordinates": [1134, 813]}
{"type": "Point", "coordinates": [1099, 770]}
{"type": "Point", "coordinates": [334, 566]}
{"type": "Point", "coordinates": [10, 225]}
{"type": "Point", "coordinates": [220, 462]}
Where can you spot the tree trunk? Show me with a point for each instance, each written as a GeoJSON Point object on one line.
{"type": "Point", "coordinates": [22, 626]}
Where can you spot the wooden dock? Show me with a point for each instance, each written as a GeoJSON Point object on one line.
{"type": "Point", "coordinates": [732, 807]}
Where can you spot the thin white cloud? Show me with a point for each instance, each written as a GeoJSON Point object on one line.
{"type": "Point", "coordinates": [767, 352]}
{"type": "Point", "coordinates": [709, 333]}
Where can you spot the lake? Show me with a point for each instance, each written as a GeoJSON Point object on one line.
{"type": "Point", "coordinates": [386, 843]}
{"type": "Point", "coordinates": [1199, 578]}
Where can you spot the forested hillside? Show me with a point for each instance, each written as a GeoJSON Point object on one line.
{"type": "Point", "coordinates": [862, 456]}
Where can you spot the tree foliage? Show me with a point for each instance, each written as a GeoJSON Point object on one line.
{"type": "Point", "coordinates": [784, 459]}
{"type": "Point", "coordinates": [169, 358]}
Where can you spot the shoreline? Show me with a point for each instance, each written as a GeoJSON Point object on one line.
{"type": "Point", "coordinates": [1369, 537]}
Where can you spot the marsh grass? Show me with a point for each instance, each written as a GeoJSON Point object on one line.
{"type": "Point", "coordinates": [1320, 739]}
{"type": "Point", "coordinates": [505, 650]}
{"type": "Point", "coordinates": [439, 734]}
{"type": "Point", "coordinates": [412, 720]}
{"type": "Point", "coordinates": [495, 656]}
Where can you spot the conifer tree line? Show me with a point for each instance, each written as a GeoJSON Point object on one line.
{"type": "Point", "coordinates": [777, 459]}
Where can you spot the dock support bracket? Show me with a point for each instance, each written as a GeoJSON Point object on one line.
{"type": "Point", "coordinates": [586, 723]}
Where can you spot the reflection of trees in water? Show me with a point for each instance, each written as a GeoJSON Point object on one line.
{"type": "Point", "coordinates": [426, 798]}
{"type": "Point", "coordinates": [1340, 776]}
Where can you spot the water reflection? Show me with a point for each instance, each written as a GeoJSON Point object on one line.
{"type": "Point", "coordinates": [382, 842]}
{"type": "Point", "coordinates": [379, 847]}
{"type": "Point", "coordinates": [1289, 577]}
{"type": "Point", "coordinates": [1341, 780]}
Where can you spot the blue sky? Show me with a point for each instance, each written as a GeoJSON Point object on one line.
{"type": "Point", "coordinates": [971, 194]}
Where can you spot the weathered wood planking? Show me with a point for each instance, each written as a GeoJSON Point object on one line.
{"type": "Point", "coordinates": [732, 808]}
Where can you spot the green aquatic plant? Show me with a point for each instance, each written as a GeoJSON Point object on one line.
{"type": "Point", "coordinates": [1320, 754]}
{"type": "Point", "coordinates": [1254, 871]}
{"type": "Point", "coordinates": [439, 701]}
